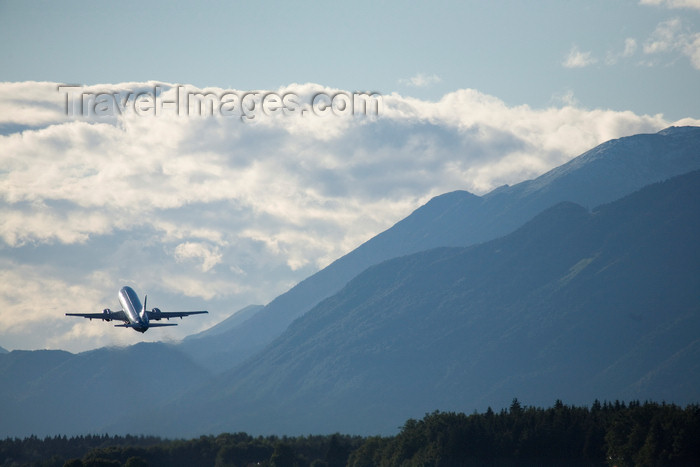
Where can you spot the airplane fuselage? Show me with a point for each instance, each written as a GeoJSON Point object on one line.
{"type": "Point", "coordinates": [136, 312]}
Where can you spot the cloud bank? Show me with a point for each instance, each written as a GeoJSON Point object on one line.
{"type": "Point", "coordinates": [223, 211]}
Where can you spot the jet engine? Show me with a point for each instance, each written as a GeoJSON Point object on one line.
{"type": "Point", "coordinates": [107, 312]}
{"type": "Point", "coordinates": [155, 314]}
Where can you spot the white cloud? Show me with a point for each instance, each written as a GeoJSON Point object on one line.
{"type": "Point", "coordinates": [630, 47]}
{"type": "Point", "coordinates": [42, 224]}
{"type": "Point", "coordinates": [693, 4]}
{"type": "Point", "coordinates": [666, 37]}
{"type": "Point", "coordinates": [671, 36]}
{"type": "Point", "coordinates": [421, 80]}
{"type": "Point", "coordinates": [30, 104]}
{"type": "Point", "coordinates": [206, 289]}
{"type": "Point", "coordinates": [692, 49]}
{"type": "Point", "coordinates": [577, 59]}
{"type": "Point", "coordinates": [210, 256]}
{"type": "Point", "coordinates": [566, 99]}
{"type": "Point", "coordinates": [220, 212]}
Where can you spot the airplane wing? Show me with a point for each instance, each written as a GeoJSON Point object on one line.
{"type": "Point", "coordinates": [114, 315]}
{"type": "Point", "coordinates": [158, 315]}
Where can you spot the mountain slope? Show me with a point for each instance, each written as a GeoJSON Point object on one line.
{"type": "Point", "coordinates": [210, 348]}
{"type": "Point", "coordinates": [603, 174]}
{"type": "Point", "coordinates": [21, 366]}
{"type": "Point", "coordinates": [50, 392]}
{"type": "Point", "coordinates": [236, 319]}
{"type": "Point", "coordinates": [573, 305]}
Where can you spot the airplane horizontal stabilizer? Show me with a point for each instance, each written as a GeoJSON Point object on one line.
{"type": "Point", "coordinates": [150, 325]}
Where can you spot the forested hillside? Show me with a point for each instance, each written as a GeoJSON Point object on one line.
{"type": "Point", "coordinates": [604, 434]}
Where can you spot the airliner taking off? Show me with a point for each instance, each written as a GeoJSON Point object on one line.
{"type": "Point", "coordinates": [134, 315]}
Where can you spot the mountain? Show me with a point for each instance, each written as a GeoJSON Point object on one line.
{"type": "Point", "coordinates": [574, 305]}
{"type": "Point", "coordinates": [603, 174]}
{"type": "Point", "coordinates": [3, 350]}
{"type": "Point", "coordinates": [22, 366]}
{"type": "Point", "coordinates": [48, 392]}
{"type": "Point", "coordinates": [236, 319]}
{"type": "Point", "coordinates": [210, 348]}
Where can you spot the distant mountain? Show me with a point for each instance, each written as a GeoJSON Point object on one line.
{"type": "Point", "coordinates": [3, 350]}
{"type": "Point", "coordinates": [50, 392]}
{"type": "Point", "coordinates": [603, 174]}
{"type": "Point", "coordinates": [20, 367]}
{"type": "Point", "coordinates": [236, 319]}
{"type": "Point", "coordinates": [574, 305]}
{"type": "Point", "coordinates": [210, 348]}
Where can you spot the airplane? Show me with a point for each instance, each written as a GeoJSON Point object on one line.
{"type": "Point", "coordinates": [134, 315]}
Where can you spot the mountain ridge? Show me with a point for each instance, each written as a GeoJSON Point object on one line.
{"type": "Point", "coordinates": [602, 174]}
{"type": "Point", "coordinates": [575, 304]}
{"type": "Point", "coordinates": [431, 223]}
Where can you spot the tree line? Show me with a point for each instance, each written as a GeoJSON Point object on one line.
{"type": "Point", "coordinates": [615, 434]}
{"type": "Point", "coordinates": [609, 433]}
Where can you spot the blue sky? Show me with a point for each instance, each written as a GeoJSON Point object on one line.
{"type": "Point", "coordinates": [514, 50]}
{"type": "Point", "coordinates": [217, 212]}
